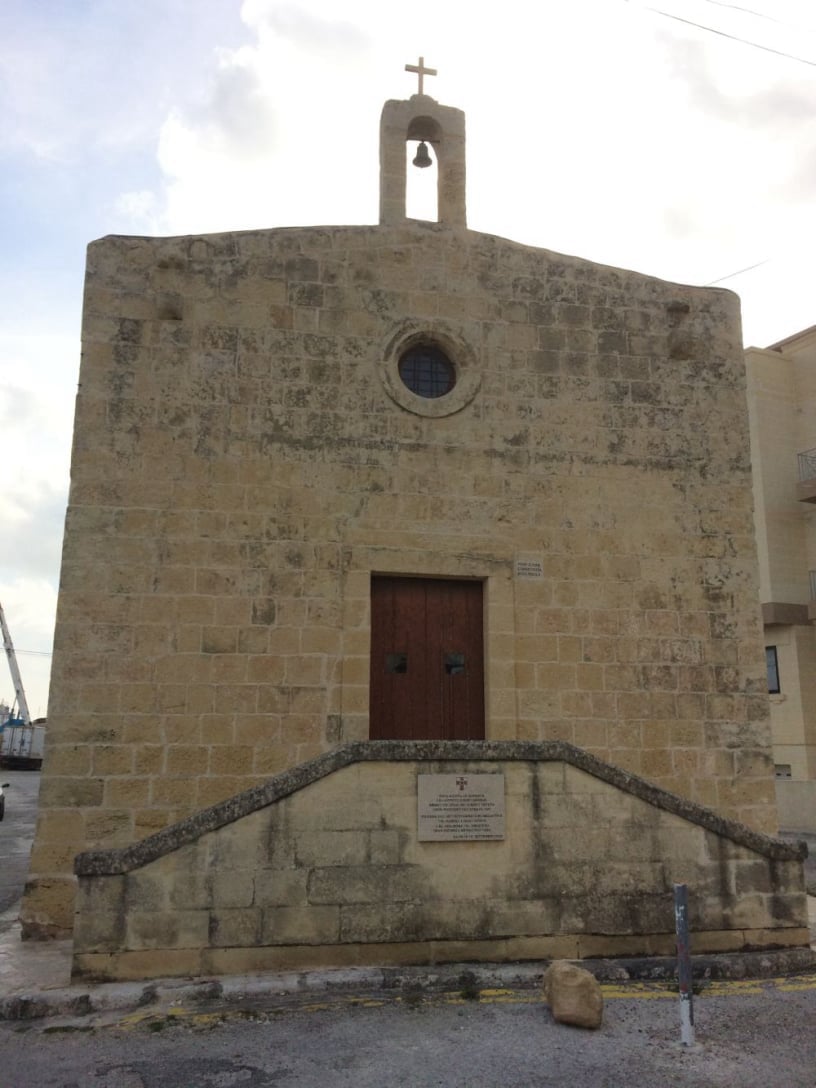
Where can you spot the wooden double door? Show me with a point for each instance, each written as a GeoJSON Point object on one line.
{"type": "Point", "coordinates": [427, 659]}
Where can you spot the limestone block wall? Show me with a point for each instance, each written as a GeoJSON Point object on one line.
{"type": "Point", "coordinates": [782, 406]}
{"type": "Point", "coordinates": [782, 413]}
{"type": "Point", "coordinates": [796, 804]}
{"type": "Point", "coordinates": [323, 867]}
{"type": "Point", "coordinates": [245, 458]}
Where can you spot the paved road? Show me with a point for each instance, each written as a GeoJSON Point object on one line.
{"type": "Point", "coordinates": [763, 1039]}
{"type": "Point", "coordinates": [16, 836]}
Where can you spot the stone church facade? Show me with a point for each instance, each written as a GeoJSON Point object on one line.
{"type": "Point", "coordinates": [403, 481]}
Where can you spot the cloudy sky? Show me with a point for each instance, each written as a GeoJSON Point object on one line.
{"type": "Point", "coordinates": [615, 130]}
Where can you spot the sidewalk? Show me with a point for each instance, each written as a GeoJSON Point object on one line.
{"type": "Point", "coordinates": [35, 978]}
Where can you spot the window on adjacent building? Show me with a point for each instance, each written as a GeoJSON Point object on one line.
{"type": "Point", "coordinates": [772, 665]}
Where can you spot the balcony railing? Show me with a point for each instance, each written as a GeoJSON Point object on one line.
{"type": "Point", "coordinates": [807, 465]}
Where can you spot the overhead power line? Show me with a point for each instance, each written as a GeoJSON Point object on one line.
{"type": "Point", "coordinates": [739, 272]}
{"type": "Point", "coordinates": [749, 11]}
{"type": "Point", "coordinates": [724, 34]}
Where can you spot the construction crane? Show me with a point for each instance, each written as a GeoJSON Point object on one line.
{"type": "Point", "coordinates": [16, 679]}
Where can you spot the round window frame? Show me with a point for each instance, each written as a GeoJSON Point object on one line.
{"type": "Point", "coordinates": [467, 377]}
{"type": "Point", "coordinates": [441, 368]}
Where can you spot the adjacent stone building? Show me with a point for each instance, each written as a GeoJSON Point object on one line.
{"type": "Point", "coordinates": [406, 482]}
{"type": "Point", "coordinates": [782, 406]}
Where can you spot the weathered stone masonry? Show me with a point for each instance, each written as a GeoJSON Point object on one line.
{"type": "Point", "coordinates": [322, 866]}
{"type": "Point", "coordinates": [244, 459]}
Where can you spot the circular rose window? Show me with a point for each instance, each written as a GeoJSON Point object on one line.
{"type": "Point", "coordinates": [427, 371]}
{"type": "Point", "coordinates": [431, 369]}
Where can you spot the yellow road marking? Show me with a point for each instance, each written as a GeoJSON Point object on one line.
{"type": "Point", "coordinates": [612, 991]}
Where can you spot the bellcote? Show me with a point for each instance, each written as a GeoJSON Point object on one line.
{"type": "Point", "coordinates": [443, 127]}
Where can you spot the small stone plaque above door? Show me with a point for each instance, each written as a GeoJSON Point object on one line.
{"type": "Point", "coordinates": [460, 807]}
{"type": "Point", "coordinates": [529, 565]}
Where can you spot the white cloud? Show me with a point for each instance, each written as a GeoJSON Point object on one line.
{"type": "Point", "coordinates": [238, 118]}
{"type": "Point", "coordinates": [36, 395]}
{"type": "Point", "coordinates": [269, 142]}
{"type": "Point", "coordinates": [29, 605]}
{"type": "Point", "coordinates": [140, 211]}
{"type": "Point", "coordinates": [37, 384]}
{"type": "Point", "coordinates": [310, 26]}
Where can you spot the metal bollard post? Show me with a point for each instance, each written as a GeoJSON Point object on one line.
{"type": "Point", "coordinates": [684, 964]}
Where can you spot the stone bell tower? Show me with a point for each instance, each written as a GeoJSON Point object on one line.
{"type": "Point", "coordinates": [443, 127]}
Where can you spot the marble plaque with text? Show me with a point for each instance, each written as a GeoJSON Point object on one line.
{"type": "Point", "coordinates": [460, 807]}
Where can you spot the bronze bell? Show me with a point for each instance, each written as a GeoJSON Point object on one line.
{"type": "Point", "coordinates": [422, 158]}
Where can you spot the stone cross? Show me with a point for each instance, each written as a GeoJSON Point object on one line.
{"type": "Point", "coordinates": [421, 71]}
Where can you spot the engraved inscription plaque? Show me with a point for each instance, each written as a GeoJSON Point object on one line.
{"type": "Point", "coordinates": [460, 807]}
{"type": "Point", "coordinates": [529, 565]}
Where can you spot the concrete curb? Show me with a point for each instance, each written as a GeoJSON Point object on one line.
{"type": "Point", "coordinates": [125, 997]}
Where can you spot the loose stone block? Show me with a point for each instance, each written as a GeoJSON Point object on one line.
{"type": "Point", "coordinates": [573, 994]}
